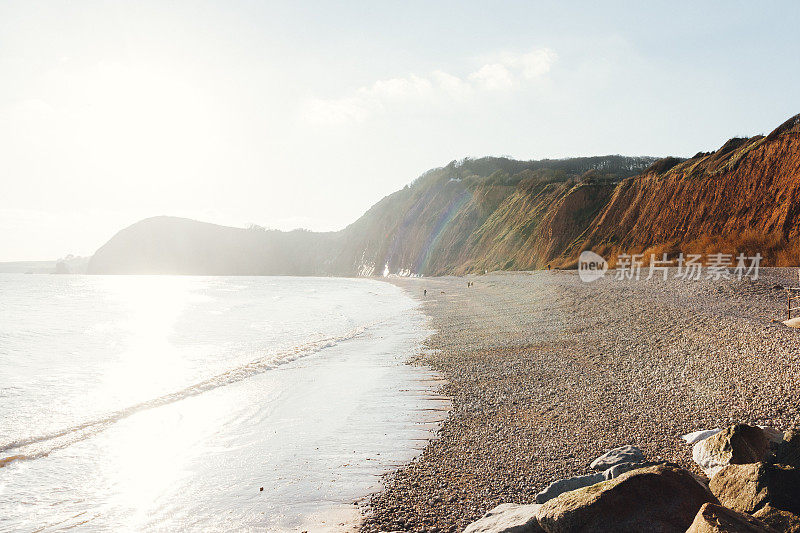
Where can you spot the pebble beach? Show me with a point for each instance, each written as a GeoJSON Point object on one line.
{"type": "Point", "coordinates": [546, 372]}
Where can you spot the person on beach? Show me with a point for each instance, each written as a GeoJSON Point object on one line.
{"type": "Point", "coordinates": [424, 292]}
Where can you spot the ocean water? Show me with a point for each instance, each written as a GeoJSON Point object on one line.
{"type": "Point", "coordinates": [161, 403]}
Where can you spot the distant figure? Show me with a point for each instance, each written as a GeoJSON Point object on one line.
{"type": "Point", "coordinates": [424, 292]}
{"type": "Point", "coordinates": [548, 267]}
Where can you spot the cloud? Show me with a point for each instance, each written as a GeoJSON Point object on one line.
{"type": "Point", "coordinates": [504, 73]}
{"type": "Point", "coordinates": [398, 88]}
{"type": "Point", "coordinates": [452, 86]}
{"type": "Point", "coordinates": [335, 111]}
{"type": "Point", "coordinates": [533, 64]}
{"type": "Point", "coordinates": [493, 77]}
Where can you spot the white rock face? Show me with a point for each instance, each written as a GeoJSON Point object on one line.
{"type": "Point", "coordinates": [734, 445]}
{"type": "Point", "coordinates": [623, 454]}
{"type": "Point", "coordinates": [697, 436]}
{"type": "Point", "coordinates": [508, 518]}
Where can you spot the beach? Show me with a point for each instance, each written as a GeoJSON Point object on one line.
{"type": "Point", "coordinates": [547, 372]}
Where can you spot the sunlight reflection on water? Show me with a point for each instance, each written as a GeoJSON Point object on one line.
{"type": "Point", "coordinates": [167, 402]}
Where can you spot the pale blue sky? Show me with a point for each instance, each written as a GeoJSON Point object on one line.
{"type": "Point", "coordinates": [305, 114]}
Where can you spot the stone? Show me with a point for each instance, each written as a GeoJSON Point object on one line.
{"type": "Point", "coordinates": [779, 519]}
{"type": "Point", "coordinates": [713, 518]}
{"type": "Point", "coordinates": [618, 470]}
{"type": "Point", "coordinates": [561, 486]}
{"type": "Point", "coordinates": [697, 436]}
{"type": "Point", "coordinates": [738, 444]}
{"type": "Point", "coordinates": [747, 488]}
{"type": "Point", "coordinates": [788, 450]}
{"type": "Point", "coordinates": [508, 518]}
{"type": "Point", "coordinates": [565, 485]}
{"type": "Point", "coordinates": [659, 499]}
{"type": "Point", "coordinates": [623, 454]}
{"type": "Point", "coordinates": [773, 435]}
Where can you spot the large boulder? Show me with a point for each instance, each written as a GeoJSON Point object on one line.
{"type": "Point", "coordinates": [623, 454]}
{"type": "Point", "coordinates": [748, 488]}
{"type": "Point", "coordinates": [739, 444]}
{"type": "Point", "coordinates": [713, 518]}
{"type": "Point", "coordinates": [656, 499]}
{"type": "Point", "coordinates": [779, 519]}
{"type": "Point", "coordinates": [561, 486]}
{"type": "Point", "coordinates": [508, 518]}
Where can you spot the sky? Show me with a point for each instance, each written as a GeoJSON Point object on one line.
{"type": "Point", "coordinates": [304, 114]}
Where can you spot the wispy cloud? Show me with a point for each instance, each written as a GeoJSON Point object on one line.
{"type": "Point", "coordinates": [503, 73]}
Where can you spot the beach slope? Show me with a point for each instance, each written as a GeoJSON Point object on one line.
{"type": "Point", "coordinates": [547, 372]}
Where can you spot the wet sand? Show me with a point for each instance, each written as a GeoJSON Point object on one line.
{"type": "Point", "coordinates": [547, 372]}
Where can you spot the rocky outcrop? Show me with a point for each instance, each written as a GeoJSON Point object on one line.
{"type": "Point", "coordinates": [659, 498]}
{"type": "Point", "coordinates": [712, 518]}
{"type": "Point", "coordinates": [508, 518]}
{"type": "Point", "coordinates": [749, 487]}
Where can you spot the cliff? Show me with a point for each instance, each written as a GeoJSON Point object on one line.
{"type": "Point", "coordinates": [745, 197]}
{"type": "Point", "coordinates": [486, 214]}
{"type": "Point", "coordinates": [471, 215]}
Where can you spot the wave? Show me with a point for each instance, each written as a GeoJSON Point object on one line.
{"type": "Point", "coordinates": [62, 438]}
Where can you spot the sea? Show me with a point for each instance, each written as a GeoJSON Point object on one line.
{"type": "Point", "coordinates": [181, 403]}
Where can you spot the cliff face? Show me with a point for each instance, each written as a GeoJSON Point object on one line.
{"type": "Point", "coordinates": [743, 197]}
{"type": "Point", "coordinates": [468, 216]}
{"type": "Point", "coordinates": [481, 215]}
{"type": "Point", "coordinates": [497, 213]}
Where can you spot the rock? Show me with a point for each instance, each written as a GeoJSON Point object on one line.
{"type": "Point", "coordinates": [788, 451]}
{"type": "Point", "coordinates": [773, 435]}
{"type": "Point", "coordinates": [561, 486]}
{"type": "Point", "coordinates": [697, 436]}
{"type": "Point", "coordinates": [508, 518]}
{"type": "Point", "coordinates": [618, 470]}
{"type": "Point", "coordinates": [778, 519]}
{"type": "Point", "coordinates": [623, 454]}
{"type": "Point", "coordinates": [713, 518]}
{"type": "Point", "coordinates": [748, 488]}
{"type": "Point", "coordinates": [739, 444]}
{"type": "Point", "coordinates": [565, 485]}
{"type": "Point", "coordinates": [661, 499]}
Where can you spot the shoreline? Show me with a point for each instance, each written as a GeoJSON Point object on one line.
{"type": "Point", "coordinates": [282, 440]}
{"type": "Point", "coordinates": [546, 373]}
